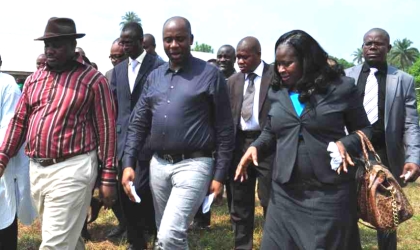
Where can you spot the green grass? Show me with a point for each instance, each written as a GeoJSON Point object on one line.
{"type": "Point", "coordinates": [220, 236]}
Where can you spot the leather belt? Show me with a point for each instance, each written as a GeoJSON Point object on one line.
{"type": "Point", "coordinates": [175, 158]}
{"type": "Point", "coordinates": [45, 162]}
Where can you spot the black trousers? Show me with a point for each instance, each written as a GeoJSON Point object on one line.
{"type": "Point", "coordinates": [139, 217]}
{"type": "Point", "coordinates": [241, 195]}
{"type": "Point", "coordinates": [8, 237]}
{"type": "Point", "coordinates": [386, 240]}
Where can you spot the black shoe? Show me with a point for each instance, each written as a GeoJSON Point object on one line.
{"type": "Point", "coordinates": [117, 232]}
{"type": "Point", "coordinates": [86, 235]}
{"type": "Point", "coordinates": [196, 226]}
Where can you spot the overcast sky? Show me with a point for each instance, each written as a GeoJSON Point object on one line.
{"type": "Point", "coordinates": [338, 25]}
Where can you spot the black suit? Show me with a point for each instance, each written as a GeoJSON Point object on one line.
{"type": "Point", "coordinates": [241, 195]}
{"type": "Point", "coordinates": [138, 216]}
{"type": "Point", "coordinates": [311, 206]}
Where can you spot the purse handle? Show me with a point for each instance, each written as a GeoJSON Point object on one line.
{"type": "Point", "coordinates": [365, 141]}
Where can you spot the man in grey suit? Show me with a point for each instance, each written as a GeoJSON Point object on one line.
{"type": "Point", "coordinates": [390, 103]}
{"type": "Point", "coordinates": [116, 56]}
{"type": "Point", "coordinates": [128, 79]}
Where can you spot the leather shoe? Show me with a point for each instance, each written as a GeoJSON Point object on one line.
{"type": "Point", "coordinates": [116, 232]}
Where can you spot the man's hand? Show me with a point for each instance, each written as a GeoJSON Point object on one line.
{"type": "Point", "coordinates": [108, 195]}
{"type": "Point", "coordinates": [414, 170]}
{"type": "Point", "coordinates": [128, 175]}
{"type": "Point", "coordinates": [216, 188]}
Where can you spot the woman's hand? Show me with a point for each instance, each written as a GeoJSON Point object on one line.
{"type": "Point", "coordinates": [344, 156]}
{"type": "Point", "coordinates": [249, 156]}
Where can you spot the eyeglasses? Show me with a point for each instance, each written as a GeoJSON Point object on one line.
{"type": "Point", "coordinates": [116, 56]}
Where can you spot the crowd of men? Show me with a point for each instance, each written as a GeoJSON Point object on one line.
{"type": "Point", "coordinates": [161, 129]}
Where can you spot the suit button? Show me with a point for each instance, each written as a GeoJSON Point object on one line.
{"type": "Point", "coordinates": [169, 101]}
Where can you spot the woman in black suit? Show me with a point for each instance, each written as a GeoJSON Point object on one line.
{"type": "Point", "coordinates": [312, 204]}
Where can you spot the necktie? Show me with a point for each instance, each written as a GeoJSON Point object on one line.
{"type": "Point", "coordinates": [370, 101]}
{"type": "Point", "coordinates": [134, 63]}
{"type": "Point", "coordinates": [248, 103]}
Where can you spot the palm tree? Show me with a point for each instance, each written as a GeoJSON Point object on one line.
{"type": "Point", "coordinates": [130, 17]}
{"type": "Point", "coordinates": [358, 56]}
{"type": "Point", "coordinates": [402, 55]}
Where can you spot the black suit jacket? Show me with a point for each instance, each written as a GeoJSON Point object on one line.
{"type": "Point", "coordinates": [236, 95]}
{"type": "Point", "coordinates": [322, 121]}
{"type": "Point", "coordinates": [127, 100]}
{"type": "Point", "coordinates": [236, 84]}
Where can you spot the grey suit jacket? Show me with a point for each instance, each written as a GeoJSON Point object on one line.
{"type": "Point", "coordinates": [108, 75]}
{"type": "Point", "coordinates": [402, 132]}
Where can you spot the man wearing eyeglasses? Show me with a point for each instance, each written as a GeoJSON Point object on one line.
{"type": "Point", "coordinates": [117, 55]}
{"type": "Point", "coordinates": [128, 79]}
{"type": "Point", "coordinates": [389, 99]}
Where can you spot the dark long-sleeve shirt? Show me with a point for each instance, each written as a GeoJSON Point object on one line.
{"type": "Point", "coordinates": [184, 111]}
{"type": "Point", "coordinates": [378, 128]}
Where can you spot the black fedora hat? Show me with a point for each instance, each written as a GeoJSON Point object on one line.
{"type": "Point", "coordinates": [60, 27]}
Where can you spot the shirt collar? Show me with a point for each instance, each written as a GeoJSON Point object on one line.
{"type": "Point", "coordinates": [184, 68]}
{"type": "Point", "coordinates": [382, 68]}
{"type": "Point", "coordinates": [139, 59]}
{"type": "Point", "coordinates": [258, 71]}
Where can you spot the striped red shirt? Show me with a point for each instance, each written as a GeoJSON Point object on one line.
{"type": "Point", "coordinates": [62, 114]}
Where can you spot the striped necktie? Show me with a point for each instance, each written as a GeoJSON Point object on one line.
{"type": "Point", "coordinates": [370, 101]}
{"type": "Point", "coordinates": [248, 102]}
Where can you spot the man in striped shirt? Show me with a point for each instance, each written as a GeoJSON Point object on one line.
{"type": "Point", "coordinates": [66, 114]}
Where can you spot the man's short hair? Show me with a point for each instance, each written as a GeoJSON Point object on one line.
{"type": "Point", "coordinates": [135, 28]}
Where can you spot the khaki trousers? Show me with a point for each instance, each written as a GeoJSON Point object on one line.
{"type": "Point", "coordinates": [61, 193]}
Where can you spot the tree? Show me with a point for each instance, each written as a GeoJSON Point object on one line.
{"type": "Point", "coordinates": [203, 48]}
{"type": "Point", "coordinates": [343, 62]}
{"type": "Point", "coordinates": [414, 70]}
{"type": "Point", "coordinates": [358, 56]}
{"type": "Point", "coordinates": [402, 55]}
{"type": "Point", "coordinates": [130, 17]}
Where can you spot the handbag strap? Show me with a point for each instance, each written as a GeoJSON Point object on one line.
{"type": "Point", "coordinates": [365, 140]}
{"type": "Point", "coordinates": [362, 141]}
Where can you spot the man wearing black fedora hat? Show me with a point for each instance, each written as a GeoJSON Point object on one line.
{"type": "Point", "coordinates": [67, 116]}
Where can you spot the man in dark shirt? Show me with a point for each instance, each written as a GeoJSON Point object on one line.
{"type": "Point", "coordinates": [183, 108]}
{"type": "Point", "coordinates": [226, 58]}
{"type": "Point", "coordinates": [389, 99]}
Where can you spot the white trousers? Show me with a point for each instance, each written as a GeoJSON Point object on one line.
{"type": "Point", "coordinates": [61, 193]}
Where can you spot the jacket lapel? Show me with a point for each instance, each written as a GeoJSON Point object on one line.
{"type": "Point", "coordinates": [285, 101]}
{"type": "Point", "coordinates": [355, 73]}
{"type": "Point", "coordinates": [124, 77]}
{"type": "Point", "coordinates": [265, 84]}
{"type": "Point", "coordinates": [145, 65]}
{"type": "Point", "coordinates": [319, 99]}
{"type": "Point", "coordinates": [238, 96]}
{"type": "Point", "coordinates": [392, 83]}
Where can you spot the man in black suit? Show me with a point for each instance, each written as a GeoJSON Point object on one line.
{"type": "Point", "coordinates": [248, 98]}
{"type": "Point", "coordinates": [128, 79]}
{"type": "Point", "coordinates": [116, 56]}
{"type": "Point", "coordinates": [226, 59]}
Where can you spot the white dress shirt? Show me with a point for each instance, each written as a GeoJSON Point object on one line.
{"type": "Point", "coordinates": [252, 124]}
{"type": "Point", "coordinates": [132, 74]}
{"type": "Point", "coordinates": [15, 193]}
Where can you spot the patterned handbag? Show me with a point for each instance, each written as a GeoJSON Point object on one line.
{"type": "Point", "coordinates": [382, 204]}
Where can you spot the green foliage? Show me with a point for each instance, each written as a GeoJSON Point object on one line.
{"type": "Point", "coordinates": [130, 16]}
{"type": "Point", "coordinates": [402, 55]}
{"type": "Point", "coordinates": [414, 70]}
{"type": "Point", "coordinates": [343, 62]}
{"type": "Point", "coordinates": [203, 48]}
{"type": "Point", "coordinates": [358, 56]}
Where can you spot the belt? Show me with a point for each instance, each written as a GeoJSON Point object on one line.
{"type": "Point", "coordinates": [45, 162]}
{"type": "Point", "coordinates": [175, 158]}
{"type": "Point", "coordinates": [250, 134]}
